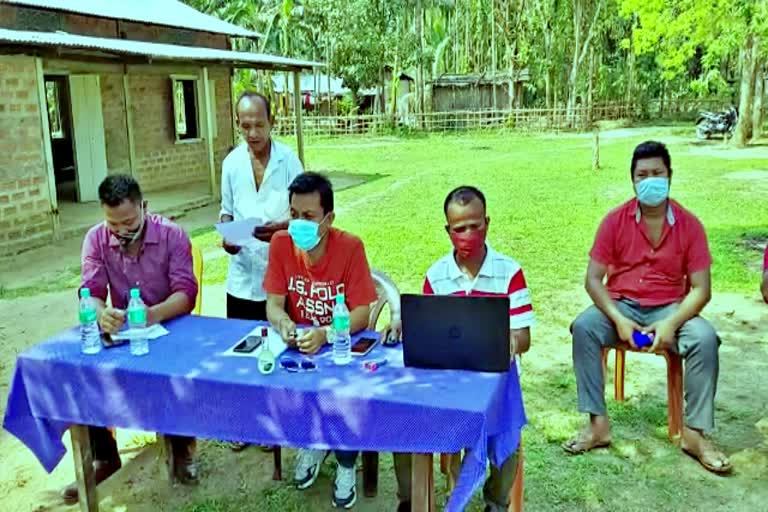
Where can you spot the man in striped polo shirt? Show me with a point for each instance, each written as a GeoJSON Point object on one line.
{"type": "Point", "coordinates": [474, 269]}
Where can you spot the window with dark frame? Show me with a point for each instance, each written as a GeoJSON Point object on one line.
{"type": "Point", "coordinates": [185, 108]}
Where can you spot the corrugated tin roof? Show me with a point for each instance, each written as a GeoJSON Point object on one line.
{"type": "Point", "coordinates": [307, 84]}
{"type": "Point", "coordinates": [155, 51]}
{"type": "Point", "coordinates": [158, 12]}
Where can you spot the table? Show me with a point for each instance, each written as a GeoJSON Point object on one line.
{"type": "Point", "coordinates": [185, 386]}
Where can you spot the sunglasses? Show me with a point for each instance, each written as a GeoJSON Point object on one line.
{"type": "Point", "coordinates": [291, 365]}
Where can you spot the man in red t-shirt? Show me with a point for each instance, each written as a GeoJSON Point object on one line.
{"type": "Point", "coordinates": [654, 258]}
{"type": "Point", "coordinates": [764, 285]}
{"type": "Point", "coordinates": [309, 265]}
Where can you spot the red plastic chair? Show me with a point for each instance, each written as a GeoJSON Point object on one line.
{"type": "Point", "coordinates": [674, 383]}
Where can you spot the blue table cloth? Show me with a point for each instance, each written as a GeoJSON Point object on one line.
{"type": "Point", "coordinates": [186, 386]}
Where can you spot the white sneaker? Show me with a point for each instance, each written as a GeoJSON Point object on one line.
{"type": "Point", "coordinates": [308, 464]}
{"type": "Point", "coordinates": [344, 488]}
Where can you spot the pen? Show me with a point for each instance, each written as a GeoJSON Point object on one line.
{"type": "Point", "coordinates": [374, 364]}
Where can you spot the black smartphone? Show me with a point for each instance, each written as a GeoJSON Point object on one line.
{"type": "Point", "coordinates": [364, 346]}
{"type": "Point", "coordinates": [249, 344]}
{"type": "Point", "coordinates": [108, 342]}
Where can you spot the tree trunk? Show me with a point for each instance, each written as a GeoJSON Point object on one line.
{"type": "Point", "coordinates": [331, 95]}
{"type": "Point", "coordinates": [394, 90]}
{"type": "Point", "coordinates": [493, 52]}
{"type": "Point", "coordinates": [573, 74]}
{"type": "Point", "coordinates": [579, 51]}
{"type": "Point", "coordinates": [595, 149]}
{"type": "Point", "coordinates": [316, 83]}
{"type": "Point", "coordinates": [631, 64]}
{"type": "Point", "coordinates": [591, 86]}
{"type": "Point", "coordinates": [747, 96]}
{"type": "Point", "coordinates": [758, 110]}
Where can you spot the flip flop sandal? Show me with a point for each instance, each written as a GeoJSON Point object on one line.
{"type": "Point", "coordinates": [578, 446]}
{"type": "Point", "coordinates": [721, 470]}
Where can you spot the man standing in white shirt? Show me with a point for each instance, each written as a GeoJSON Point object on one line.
{"type": "Point", "coordinates": [254, 184]}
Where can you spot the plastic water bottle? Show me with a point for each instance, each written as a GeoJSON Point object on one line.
{"type": "Point", "coordinates": [342, 343]}
{"type": "Point", "coordinates": [137, 323]}
{"type": "Point", "coordinates": [90, 339]}
{"type": "Point", "coordinates": [266, 357]}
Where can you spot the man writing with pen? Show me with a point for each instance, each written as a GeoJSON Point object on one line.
{"type": "Point", "coordinates": [309, 265]}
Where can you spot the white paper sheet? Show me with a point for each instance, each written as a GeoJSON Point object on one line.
{"type": "Point", "coordinates": [276, 344]}
{"type": "Point", "coordinates": [152, 332]}
{"type": "Point", "coordinates": [238, 232]}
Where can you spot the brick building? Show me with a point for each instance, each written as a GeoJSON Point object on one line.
{"type": "Point", "coordinates": [90, 88]}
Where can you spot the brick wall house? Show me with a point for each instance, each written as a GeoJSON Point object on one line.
{"type": "Point", "coordinates": [95, 89]}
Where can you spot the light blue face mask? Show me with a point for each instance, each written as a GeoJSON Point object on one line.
{"type": "Point", "coordinates": [305, 233]}
{"type": "Point", "coordinates": [652, 191]}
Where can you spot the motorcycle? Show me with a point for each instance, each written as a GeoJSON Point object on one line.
{"type": "Point", "coordinates": [716, 123]}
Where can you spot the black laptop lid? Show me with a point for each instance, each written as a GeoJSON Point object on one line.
{"type": "Point", "coordinates": [456, 332]}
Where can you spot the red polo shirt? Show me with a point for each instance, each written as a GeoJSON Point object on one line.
{"type": "Point", "coordinates": [651, 276]}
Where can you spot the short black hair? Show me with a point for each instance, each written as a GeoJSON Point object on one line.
{"type": "Point", "coordinates": [117, 188]}
{"type": "Point", "coordinates": [651, 149]}
{"type": "Point", "coordinates": [311, 182]}
{"type": "Point", "coordinates": [252, 95]}
{"type": "Point", "coordinates": [463, 195]}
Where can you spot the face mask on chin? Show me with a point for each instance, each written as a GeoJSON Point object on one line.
{"type": "Point", "coordinates": [126, 238]}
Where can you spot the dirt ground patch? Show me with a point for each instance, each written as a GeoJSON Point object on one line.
{"type": "Point", "coordinates": [718, 149]}
{"type": "Point", "coordinates": [747, 176]}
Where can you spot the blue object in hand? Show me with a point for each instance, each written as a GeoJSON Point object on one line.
{"type": "Point", "coordinates": [642, 339]}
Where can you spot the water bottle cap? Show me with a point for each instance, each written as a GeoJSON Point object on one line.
{"type": "Point", "coordinates": [85, 292]}
{"type": "Point", "coordinates": [340, 298]}
{"type": "Point", "coordinates": [135, 293]}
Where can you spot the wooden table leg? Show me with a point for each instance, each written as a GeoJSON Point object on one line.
{"type": "Point", "coordinates": [166, 455]}
{"type": "Point", "coordinates": [422, 483]}
{"type": "Point", "coordinates": [370, 474]}
{"type": "Point", "coordinates": [86, 480]}
{"type": "Point", "coordinates": [277, 463]}
{"type": "Point", "coordinates": [516, 494]}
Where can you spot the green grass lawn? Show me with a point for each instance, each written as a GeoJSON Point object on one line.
{"type": "Point", "coordinates": [544, 200]}
{"type": "Point", "coordinates": [545, 203]}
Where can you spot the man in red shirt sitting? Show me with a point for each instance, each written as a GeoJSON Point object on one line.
{"type": "Point", "coordinates": [309, 265]}
{"type": "Point", "coordinates": [655, 257]}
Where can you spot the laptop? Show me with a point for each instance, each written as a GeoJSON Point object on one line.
{"type": "Point", "coordinates": [456, 332]}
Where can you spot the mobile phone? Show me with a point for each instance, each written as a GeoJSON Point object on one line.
{"type": "Point", "coordinates": [364, 346]}
{"type": "Point", "coordinates": [249, 344]}
{"type": "Point", "coordinates": [108, 342]}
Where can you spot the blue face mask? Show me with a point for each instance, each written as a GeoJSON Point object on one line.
{"type": "Point", "coordinates": [652, 191]}
{"type": "Point", "coordinates": [305, 233]}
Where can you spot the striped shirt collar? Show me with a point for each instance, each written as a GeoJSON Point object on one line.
{"type": "Point", "coordinates": [486, 269]}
